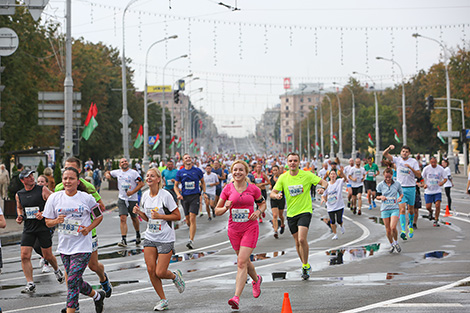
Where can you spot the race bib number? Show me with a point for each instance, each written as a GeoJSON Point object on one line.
{"type": "Point", "coordinates": [94, 243]}
{"type": "Point", "coordinates": [405, 171]}
{"type": "Point", "coordinates": [155, 226]}
{"type": "Point", "coordinates": [296, 190]}
{"type": "Point", "coordinates": [170, 183]}
{"type": "Point", "coordinates": [31, 212]}
{"type": "Point", "coordinates": [240, 215]}
{"type": "Point", "coordinates": [332, 199]}
{"type": "Point", "coordinates": [370, 173]}
{"type": "Point", "coordinates": [70, 227]}
{"type": "Point", "coordinates": [433, 182]}
{"type": "Point", "coordinates": [390, 201]}
{"type": "Point", "coordinates": [125, 185]}
{"type": "Point", "coordinates": [258, 180]}
{"type": "Point", "coordinates": [190, 185]}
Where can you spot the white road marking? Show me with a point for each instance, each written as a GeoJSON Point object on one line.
{"type": "Point", "coordinates": [424, 305]}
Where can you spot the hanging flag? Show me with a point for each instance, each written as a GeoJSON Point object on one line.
{"type": "Point", "coordinates": [317, 146]}
{"type": "Point", "coordinates": [140, 138]}
{"type": "Point", "coordinates": [311, 146]}
{"type": "Point", "coordinates": [172, 142]}
{"type": "Point", "coordinates": [439, 135]}
{"type": "Point", "coordinates": [195, 148]}
{"type": "Point", "coordinates": [370, 140]}
{"type": "Point", "coordinates": [179, 143]}
{"type": "Point", "coordinates": [90, 122]}
{"type": "Point", "coordinates": [334, 140]}
{"type": "Point", "coordinates": [396, 136]}
{"type": "Point", "coordinates": [191, 143]}
{"type": "Point", "coordinates": [157, 142]}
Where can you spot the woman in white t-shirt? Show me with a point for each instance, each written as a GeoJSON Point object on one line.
{"type": "Point", "coordinates": [333, 196]}
{"type": "Point", "coordinates": [159, 210]}
{"type": "Point", "coordinates": [448, 184]}
{"type": "Point", "coordinates": [70, 209]}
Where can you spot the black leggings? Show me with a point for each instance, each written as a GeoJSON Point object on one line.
{"type": "Point", "coordinates": [336, 215]}
{"type": "Point", "coordinates": [449, 199]}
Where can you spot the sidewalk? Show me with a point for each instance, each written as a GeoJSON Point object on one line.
{"type": "Point", "coordinates": [11, 234]}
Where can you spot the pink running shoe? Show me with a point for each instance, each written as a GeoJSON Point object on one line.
{"type": "Point", "coordinates": [234, 302]}
{"type": "Point", "coordinates": [257, 287]}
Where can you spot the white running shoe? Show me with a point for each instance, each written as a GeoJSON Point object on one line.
{"type": "Point", "coordinates": [162, 305]}
{"type": "Point", "coordinates": [178, 281]}
{"type": "Point", "coordinates": [42, 261]}
{"type": "Point", "coordinates": [342, 229]}
{"type": "Point", "coordinates": [335, 237]}
{"type": "Point", "coordinates": [46, 268]}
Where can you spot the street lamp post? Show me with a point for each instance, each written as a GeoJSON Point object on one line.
{"type": "Point", "coordinates": [172, 114]}
{"type": "Point", "coordinates": [316, 133]}
{"type": "Point", "coordinates": [163, 105]}
{"type": "Point", "coordinates": [402, 98]}
{"type": "Point", "coordinates": [145, 159]}
{"type": "Point", "coordinates": [340, 131]}
{"type": "Point", "coordinates": [449, 115]}
{"type": "Point", "coordinates": [321, 131]}
{"type": "Point", "coordinates": [377, 133]}
{"type": "Point", "coordinates": [186, 139]}
{"type": "Point", "coordinates": [331, 127]}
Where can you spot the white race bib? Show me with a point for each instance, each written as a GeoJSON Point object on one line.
{"type": "Point", "coordinates": [390, 201]}
{"type": "Point", "coordinates": [31, 212]}
{"type": "Point", "coordinates": [258, 180]}
{"type": "Point", "coordinates": [125, 185]}
{"type": "Point", "coordinates": [240, 215]}
{"type": "Point", "coordinates": [332, 199]}
{"type": "Point", "coordinates": [433, 182]}
{"type": "Point", "coordinates": [189, 185]}
{"type": "Point", "coordinates": [296, 190]}
{"type": "Point", "coordinates": [155, 226]}
{"type": "Point", "coordinates": [70, 227]}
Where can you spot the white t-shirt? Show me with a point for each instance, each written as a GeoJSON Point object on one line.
{"type": "Point", "coordinates": [210, 179]}
{"type": "Point", "coordinates": [334, 196]}
{"type": "Point", "coordinates": [432, 177]}
{"type": "Point", "coordinates": [347, 168]}
{"type": "Point", "coordinates": [126, 181]}
{"type": "Point", "coordinates": [1, 213]}
{"type": "Point", "coordinates": [357, 173]}
{"type": "Point", "coordinates": [448, 175]}
{"type": "Point", "coordinates": [322, 173]}
{"type": "Point", "coordinates": [157, 229]}
{"type": "Point", "coordinates": [77, 210]}
{"type": "Point", "coordinates": [405, 175]}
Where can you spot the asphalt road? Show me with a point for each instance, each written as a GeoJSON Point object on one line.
{"type": "Point", "coordinates": [405, 282]}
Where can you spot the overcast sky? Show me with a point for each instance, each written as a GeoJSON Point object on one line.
{"type": "Point", "coordinates": [241, 56]}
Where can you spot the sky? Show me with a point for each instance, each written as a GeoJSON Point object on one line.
{"type": "Point", "coordinates": [241, 53]}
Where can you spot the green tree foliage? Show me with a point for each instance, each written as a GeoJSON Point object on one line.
{"type": "Point", "coordinates": [57, 172]}
{"type": "Point", "coordinates": [40, 169]}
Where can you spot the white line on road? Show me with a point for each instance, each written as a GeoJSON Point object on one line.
{"type": "Point", "coordinates": [424, 305]}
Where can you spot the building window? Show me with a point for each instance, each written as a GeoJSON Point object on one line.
{"type": "Point", "coordinates": [301, 99]}
{"type": "Point", "coordinates": [287, 99]}
{"type": "Point", "coordinates": [309, 99]}
{"type": "Point", "coordinates": [287, 123]}
{"type": "Point", "coordinates": [302, 115]}
{"type": "Point", "coordinates": [287, 108]}
{"type": "Point", "coordinates": [287, 115]}
{"type": "Point", "coordinates": [301, 107]}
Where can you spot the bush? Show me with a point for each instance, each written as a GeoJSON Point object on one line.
{"type": "Point", "coordinates": [40, 169]}
{"type": "Point", "coordinates": [57, 172]}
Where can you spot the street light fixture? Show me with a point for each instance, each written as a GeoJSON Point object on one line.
{"type": "Point", "coordinates": [172, 113]}
{"type": "Point", "coordinates": [340, 131]}
{"type": "Point", "coordinates": [145, 160]}
{"type": "Point", "coordinates": [402, 98]}
{"type": "Point", "coordinates": [331, 127]}
{"type": "Point", "coordinates": [163, 105]}
{"type": "Point", "coordinates": [449, 115]}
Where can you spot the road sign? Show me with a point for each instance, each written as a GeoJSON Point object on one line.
{"type": "Point", "coordinates": [467, 133]}
{"type": "Point", "coordinates": [8, 41]}
{"type": "Point", "coordinates": [36, 7]}
{"type": "Point", "coordinates": [7, 7]}
{"type": "Point", "coordinates": [166, 88]}
{"type": "Point", "coordinates": [287, 83]}
{"type": "Point", "coordinates": [152, 140]}
{"type": "Point", "coordinates": [455, 134]}
{"type": "Point", "coordinates": [57, 96]}
{"type": "Point", "coordinates": [129, 120]}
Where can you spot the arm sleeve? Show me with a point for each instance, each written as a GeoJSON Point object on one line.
{"type": "Point", "coordinates": [315, 179]}
{"type": "Point", "coordinates": [169, 201]}
{"type": "Point", "coordinates": [113, 173]}
{"type": "Point", "coordinates": [279, 184]}
{"type": "Point", "coordinates": [225, 193]}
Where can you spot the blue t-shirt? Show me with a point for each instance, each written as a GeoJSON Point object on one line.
{"type": "Point", "coordinates": [189, 180]}
{"type": "Point", "coordinates": [392, 193]}
{"type": "Point", "coordinates": [219, 173]}
{"type": "Point", "coordinates": [169, 175]}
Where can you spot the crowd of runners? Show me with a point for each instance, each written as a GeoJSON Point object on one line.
{"type": "Point", "coordinates": [237, 185]}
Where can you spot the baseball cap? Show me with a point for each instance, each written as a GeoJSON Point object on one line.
{"type": "Point", "coordinates": [25, 173]}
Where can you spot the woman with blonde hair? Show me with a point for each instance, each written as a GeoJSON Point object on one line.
{"type": "Point", "coordinates": [239, 197]}
{"type": "Point", "coordinates": [50, 178]}
{"type": "Point", "coordinates": [159, 210]}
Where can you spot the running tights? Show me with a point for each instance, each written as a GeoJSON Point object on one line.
{"type": "Point", "coordinates": [75, 265]}
{"type": "Point", "coordinates": [336, 216]}
{"type": "Point", "coordinates": [449, 199]}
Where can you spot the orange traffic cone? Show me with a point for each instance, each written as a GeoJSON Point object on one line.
{"type": "Point", "coordinates": [447, 211]}
{"type": "Point", "coordinates": [286, 308]}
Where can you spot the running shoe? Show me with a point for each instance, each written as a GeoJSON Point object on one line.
{"type": "Point", "coordinates": [306, 272]}
{"type": "Point", "coordinates": [397, 248]}
{"type": "Point", "coordinates": [46, 268]}
{"type": "Point", "coordinates": [349, 204]}
{"type": "Point", "coordinates": [234, 303]}
{"type": "Point", "coordinates": [190, 245]}
{"type": "Point", "coordinates": [209, 218]}
{"type": "Point", "coordinates": [342, 229]}
{"type": "Point", "coordinates": [373, 204]}
{"type": "Point", "coordinates": [257, 287]}
{"type": "Point", "coordinates": [123, 243]}
{"type": "Point", "coordinates": [282, 230]}
{"type": "Point", "coordinates": [436, 224]}
{"type": "Point", "coordinates": [335, 237]}
{"type": "Point", "coordinates": [354, 210]}
{"type": "Point", "coordinates": [359, 212]}
{"type": "Point", "coordinates": [410, 232]}
{"type": "Point", "coordinates": [430, 217]}
{"type": "Point", "coordinates": [64, 310]}
{"type": "Point", "coordinates": [59, 276]}
{"type": "Point", "coordinates": [415, 226]}
{"type": "Point", "coordinates": [42, 262]}
{"type": "Point", "coordinates": [178, 281]}
{"type": "Point", "coordinates": [370, 207]}
{"type": "Point", "coordinates": [403, 235]}
{"type": "Point", "coordinates": [99, 304]}
{"type": "Point", "coordinates": [137, 240]}
{"type": "Point", "coordinates": [276, 235]}
{"type": "Point", "coordinates": [392, 249]}
{"type": "Point", "coordinates": [200, 215]}
{"type": "Point", "coordinates": [161, 305]}
{"type": "Point", "coordinates": [106, 286]}
{"type": "Point", "coordinates": [213, 212]}
{"type": "Point", "coordinates": [29, 288]}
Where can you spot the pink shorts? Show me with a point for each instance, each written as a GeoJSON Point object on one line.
{"type": "Point", "coordinates": [247, 238]}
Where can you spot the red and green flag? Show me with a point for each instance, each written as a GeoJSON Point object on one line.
{"type": "Point", "coordinates": [371, 142]}
{"type": "Point", "coordinates": [317, 146]}
{"type": "Point", "coordinates": [439, 135]}
{"type": "Point", "coordinates": [179, 143]}
{"type": "Point", "coordinates": [191, 143]}
{"type": "Point", "coordinates": [157, 142]}
{"type": "Point", "coordinates": [139, 139]}
{"type": "Point", "coordinates": [172, 142]}
{"type": "Point", "coordinates": [396, 136]}
{"type": "Point", "coordinates": [90, 122]}
{"type": "Point", "coordinates": [336, 141]}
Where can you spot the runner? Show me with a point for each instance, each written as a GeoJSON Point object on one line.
{"type": "Point", "coordinates": [333, 196]}
{"type": "Point", "coordinates": [159, 210]}
{"type": "Point", "coordinates": [407, 170]}
{"type": "Point", "coordinates": [387, 191]}
{"type": "Point", "coordinates": [46, 268]}
{"type": "Point", "coordinates": [261, 180]}
{"type": "Point", "coordinates": [189, 177]}
{"type": "Point", "coordinates": [211, 180]}
{"type": "Point", "coordinates": [295, 185]}
{"type": "Point", "coordinates": [277, 205]}
{"type": "Point", "coordinates": [322, 172]}
{"type": "Point", "coordinates": [356, 177]}
{"type": "Point", "coordinates": [243, 229]}
{"type": "Point", "coordinates": [348, 185]}
{"type": "Point", "coordinates": [3, 224]}
{"type": "Point", "coordinates": [93, 264]}
{"type": "Point", "coordinates": [434, 177]}
{"type": "Point", "coordinates": [169, 175]}
{"type": "Point", "coordinates": [70, 209]}
{"type": "Point", "coordinates": [129, 182]}
{"type": "Point", "coordinates": [30, 202]}
{"type": "Point", "coordinates": [372, 170]}
{"type": "Point", "coordinates": [449, 183]}
{"type": "Point", "coordinates": [219, 171]}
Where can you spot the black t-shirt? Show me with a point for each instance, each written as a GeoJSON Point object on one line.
{"type": "Point", "coordinates": [32, 201]}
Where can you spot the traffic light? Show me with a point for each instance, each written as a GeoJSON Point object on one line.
{"type": "Point", "coordinates": [463, 136]}
{"type": "Point", "coordinates": [176, 96]}
{"type": "Point", "coordinates": [430, 103]}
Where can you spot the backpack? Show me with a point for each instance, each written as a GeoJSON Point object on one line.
{"type": "Point", "coordinates": [96, 176]}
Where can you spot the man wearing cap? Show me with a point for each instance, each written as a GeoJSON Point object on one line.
{"type": "Point", "coordinates": [30, 202]}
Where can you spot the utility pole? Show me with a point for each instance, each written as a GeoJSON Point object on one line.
{"type": "Point", "coordinates": [68, 85]}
